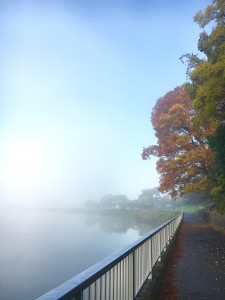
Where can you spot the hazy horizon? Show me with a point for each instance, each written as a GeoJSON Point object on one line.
{"type": "Point", "coordinates": [79, 80]}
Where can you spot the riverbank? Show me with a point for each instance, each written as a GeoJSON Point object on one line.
{"type": "Point", "coordinates": [145, 216]}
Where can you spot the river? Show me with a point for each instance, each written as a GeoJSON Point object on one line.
{"type": "Point", "coordinates": [40, 250]}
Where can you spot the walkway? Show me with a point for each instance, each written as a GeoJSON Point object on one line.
{"type": "Point", "coordinates": [196, 268]}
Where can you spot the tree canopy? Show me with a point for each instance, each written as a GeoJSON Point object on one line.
{"type": "Point", "coordinates": [206, 89]}
{"type": "Point", "coordinates": [190, 120]}
{"type": "Point", "coordinates": [217, 175]}
{"type": "Point", "coordinates": [207, 76]}
{"type": "Point", "coordinates": [184, 157]}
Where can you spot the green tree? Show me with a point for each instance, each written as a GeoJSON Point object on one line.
{"type": "Point", "coordinates": [146, 199]}
{"type": "Point", "coordinates": [207, 76]}
{"type": "Point", "coordinates": [114, 201]}
{"type": "Point", "coordinates": [217, 143]}
{"type": "Point", "coordinates": [206, 88]}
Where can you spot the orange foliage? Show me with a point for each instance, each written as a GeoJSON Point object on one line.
{"type": "Point", "coordinates": [184, 156]}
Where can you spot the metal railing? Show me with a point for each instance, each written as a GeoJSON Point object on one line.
{"type": "Point", "coordinates": [121, 275]}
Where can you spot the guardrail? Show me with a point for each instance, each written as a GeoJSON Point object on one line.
{"type": "Point", "coordinates": [121, 275]}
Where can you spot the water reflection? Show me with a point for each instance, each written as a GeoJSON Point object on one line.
{"type": "Point", "coordinates": [40, 250]}
{"type": "Point", "coordinates": [117, 224]}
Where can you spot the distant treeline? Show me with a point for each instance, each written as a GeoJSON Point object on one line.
{"type": "Point", "coordinates": [150, 198]}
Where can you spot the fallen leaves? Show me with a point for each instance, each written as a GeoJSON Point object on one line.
{"type": "Point", "coordinates": [168, 289]}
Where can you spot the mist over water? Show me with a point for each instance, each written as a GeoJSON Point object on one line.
{"type": "Point", "coordinates": [40, 250]}
{"type": "Point", "coordinates": [66, 128]}
{"type": "Point", "coordinates": [78, 82]}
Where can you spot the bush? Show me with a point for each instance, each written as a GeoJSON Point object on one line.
{"type": "Point", "coordinates": [218, 221]}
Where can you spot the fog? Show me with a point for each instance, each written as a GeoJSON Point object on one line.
{"type": "Point", "coordinates": [78, 83]}
{"type": "Point", "coordinates": [40, 250]}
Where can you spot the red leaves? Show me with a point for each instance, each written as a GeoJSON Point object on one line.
{"type": "Point", "coordinates": [184, 158]}
{"type": "Point", "coordinates": [151, 150]}
{"type": "Point", "coordinates": [167, 289]}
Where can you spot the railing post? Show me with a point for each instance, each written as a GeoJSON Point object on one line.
{"type": "Point", "coordinates": [121, 276]}
{"type": "Point", "coordinates": [159, 238]}
{"type": "Point", "coordinates": [150, 275]}
{"type": "Point", "coordinates": [151, 258]}
{"type": "Point", "coordinates": [134, 273]}
{"type": "Point", "coordinates": [131, 274]}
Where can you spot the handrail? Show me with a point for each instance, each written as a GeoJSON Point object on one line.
{"type": "Point", "coordinates": [121, 275]}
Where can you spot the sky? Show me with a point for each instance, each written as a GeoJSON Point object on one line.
{"type": "Point", "coordinates": [78, 82]}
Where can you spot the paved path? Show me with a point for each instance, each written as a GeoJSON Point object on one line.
{"type": "Point", "coordinates": [196, 268]}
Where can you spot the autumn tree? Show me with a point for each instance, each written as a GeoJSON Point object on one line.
{"type": "Point", "coordinates": [184, 156]}
{"type": "Point", "coordinates": [206, 88]}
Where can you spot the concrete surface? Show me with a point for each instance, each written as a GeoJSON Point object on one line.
{"type": "Point", "coordinates": [196, 267]}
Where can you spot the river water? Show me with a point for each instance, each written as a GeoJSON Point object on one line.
{"type": "Point", "coordinates": [40, 250]}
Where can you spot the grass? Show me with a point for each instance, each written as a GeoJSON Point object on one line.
{"type": "Point", "coordinates": [192, 207]}
{"type": "Point", "coordinates": [153, 216]}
